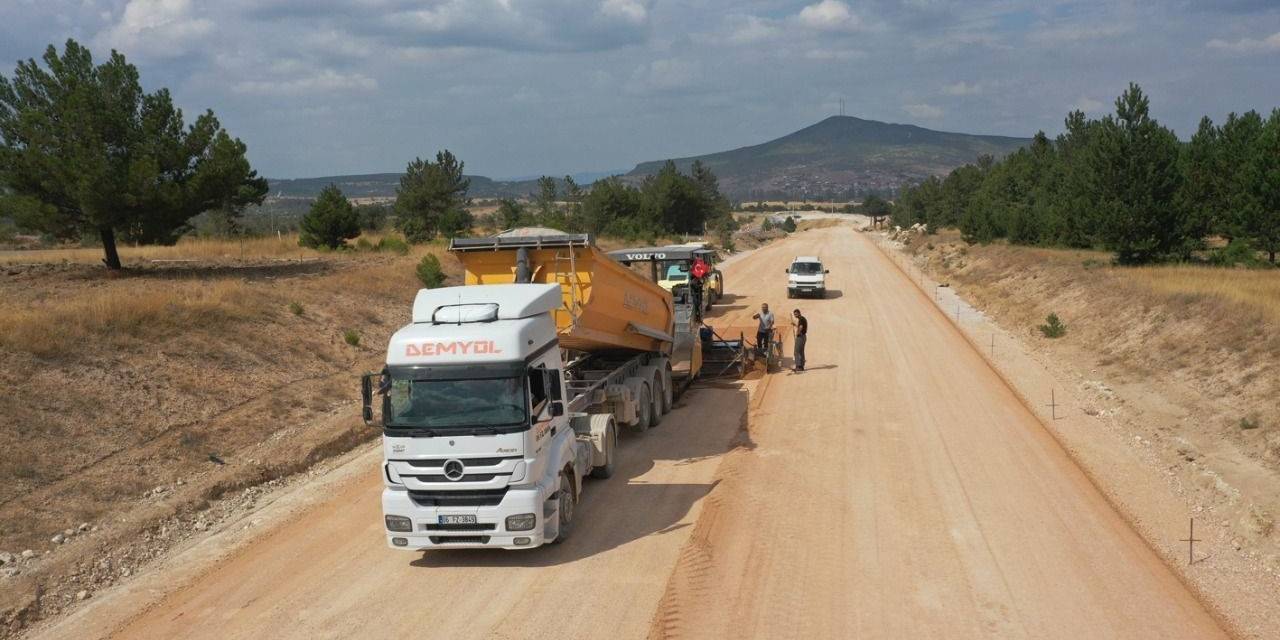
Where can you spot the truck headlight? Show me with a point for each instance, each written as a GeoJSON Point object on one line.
{"type": "Point", "coordinates": [521, 522]}
{"type": "Point", "coordinates": [398, 523]}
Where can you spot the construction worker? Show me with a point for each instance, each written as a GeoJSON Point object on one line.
{"type": "Point", "coordinates": [698, 271]}
{"type": "Point", "coordinates": [695, 294]}
{"type": "Point", "coordinates": [765, 329]}
{"type": "Point", "coordinates": [801, 325]}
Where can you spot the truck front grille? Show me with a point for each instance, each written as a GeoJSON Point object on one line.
{"type": "Point", "coordinates": [470, 462]}
{"type": "Point", "coordinates": [459, 539]}
{"type": "Point", "coordinates": [460, 498]}
{"type": "Point", "coordinates": [470, 477]}
{"type": "Point", "coordinates": [481, 526]}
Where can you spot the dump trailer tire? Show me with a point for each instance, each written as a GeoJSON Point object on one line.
{"type": "Point", "coordinates": [668, 389]}
{"type": "Point", "coordinates": [644, 410]}
{"type": "Point", "coordinates": [658, 394]}
{"type": "Point", "coordinates": [606, 470]}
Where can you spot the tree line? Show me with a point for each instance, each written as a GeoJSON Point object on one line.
{"type": "Point", "coordinates": [668, 202]}
{"type": "Point", "coordinates": [431, 202]}
{"type": "Point", "coordinates": [1123, 183]}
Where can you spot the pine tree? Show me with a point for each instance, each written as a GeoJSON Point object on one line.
{"type": "Point", "coordinates": [1133, 168]}
{"type": "Point", "coordinates": [432, 198]}
{"type": "Point", "coordinates": [1203, 194]}
{"type": "Point", "coordinates": [330, 222]}
{"type": "Point", "coordinates": [87, 152]}
{"type": "Point", "coordinates": [1263, 226]}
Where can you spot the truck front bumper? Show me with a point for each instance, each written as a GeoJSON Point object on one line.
{"type": "Point", "coordinates": [489, 531]}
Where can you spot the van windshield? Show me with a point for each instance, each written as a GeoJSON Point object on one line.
{"type": "Point", "coordinates": [443, 403]}
{"type": "Point", "coordinates": [806, 268]}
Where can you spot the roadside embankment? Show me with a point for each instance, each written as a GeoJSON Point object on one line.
{"type": "Point", "coordinates": [1162, 388]}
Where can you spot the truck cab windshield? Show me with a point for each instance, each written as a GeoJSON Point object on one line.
{"type": "Point", "coordinates": [806, 268]}
{"type": "Point", "coordinates": [677, 273]}
{"type": "Point", "coordinates": [443, 403]}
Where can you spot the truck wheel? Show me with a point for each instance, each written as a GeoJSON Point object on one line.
{"type": "Point", "coordinates": [644, 410]}
{"type": "Point", "coordinates": [610, 456]}
{"type": "Point", "coordinates": [668, 390]}
{"type": "Point", "coordinates": [564, 508]}
{"type": "Point", "coordinates": [658, 394]}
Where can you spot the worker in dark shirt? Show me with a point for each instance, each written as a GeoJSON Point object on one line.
{"type": "Point", "coordinates": [695, 291]}
{"type": "Point", "coordinates": [801, 325]}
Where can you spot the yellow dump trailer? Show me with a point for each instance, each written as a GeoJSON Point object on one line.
{"type": "Point", "coordinates": [606, 305]}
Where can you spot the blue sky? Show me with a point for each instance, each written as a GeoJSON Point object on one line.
{"type": "Point", "coordinates": [321, 87]}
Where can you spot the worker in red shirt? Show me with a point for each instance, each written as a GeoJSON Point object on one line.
{"type": "Point", "coordinates": [697, 272]}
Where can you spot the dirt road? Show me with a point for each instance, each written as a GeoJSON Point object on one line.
{"type": "Point", "coordinates": [897, 489]}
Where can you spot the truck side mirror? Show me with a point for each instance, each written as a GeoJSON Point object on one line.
{"type": "Point", "coordinates": [557, 409]}
{"type": "Point", "coordinates": [366, 397]}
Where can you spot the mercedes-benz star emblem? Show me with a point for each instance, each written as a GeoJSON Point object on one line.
{"type": "Point", "coordinates": [453, 470]}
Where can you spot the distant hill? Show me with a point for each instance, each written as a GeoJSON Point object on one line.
{"type": "Point", "coordinates": [841, 157]}
{"type": "Point", "coordinates": [383, 185]}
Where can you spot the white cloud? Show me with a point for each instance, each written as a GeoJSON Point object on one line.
{"type": "Point", "coordinates": [663, 75]}
{"type": "Point", "coordinates": [318, 81]}
{"type": "Point", "coordinates": [835, 54]}
{"type": "Point", "coordinates": [949, 43]}
{"type": "Point", "coordinates": [526, 94]}
{"type": "Point", "coordinates": [750, 29]}
{"type": "Point", "coordinates": [507, 25]}
{"type": "Point", "coordinates": [962, 89]}
{"type": "Point", "coordinates": [157, 28]}
{"type": "Point", "coordinates": [1268, 44]}
{"type": "Point", "coordinates": [1079, 33]}
{"type": "Point", "coordinates": [1087, 105]}
{"type": "Point", "coordinates": [923, 111]}
{"type": "Point", "coordinates": [627, 10]}
{"type": "Point", "coordinates": [829, 15]}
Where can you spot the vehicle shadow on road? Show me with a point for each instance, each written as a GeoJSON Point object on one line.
{"type": "Point", "coordinates": [636, 502]}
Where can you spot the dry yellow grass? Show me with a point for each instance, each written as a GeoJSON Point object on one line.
{"type": "Point", "coordinates": [285, 246]}
{"type": "Point", "coordinates": [107, 318]}
{"type": "Point", "coordinates": [1258, 290]}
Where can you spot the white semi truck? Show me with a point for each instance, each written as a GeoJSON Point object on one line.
{"type": "Point", "coordinates": [502, 396]}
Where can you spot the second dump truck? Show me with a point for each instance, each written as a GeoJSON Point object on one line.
{"type": "Point", "coordinates": [503, 395]}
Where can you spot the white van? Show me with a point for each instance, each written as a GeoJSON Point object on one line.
{"type": "Point", "coordinates": [807, 277]}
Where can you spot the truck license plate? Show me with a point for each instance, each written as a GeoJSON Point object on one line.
{"type": "Point", "coordinates": [457, 519]}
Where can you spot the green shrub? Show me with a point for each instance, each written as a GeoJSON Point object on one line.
{"type": "Point", "coordinates": [789, 225]}
{"type": "Point", "coordinates": [394, 244]}
{"type": "Point", "coordinates": [429, 271]}
{"type": "Point", "coordinates": [1248, 423]}
{"type": "Point", "coordinates": [352, 337]}
{"type": "Point", "coordinates": [1053, 327]}
{"type": "Point", "coordinates": [295, 308]}
{"type": "Point", "coordinates": [1238, 252]}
